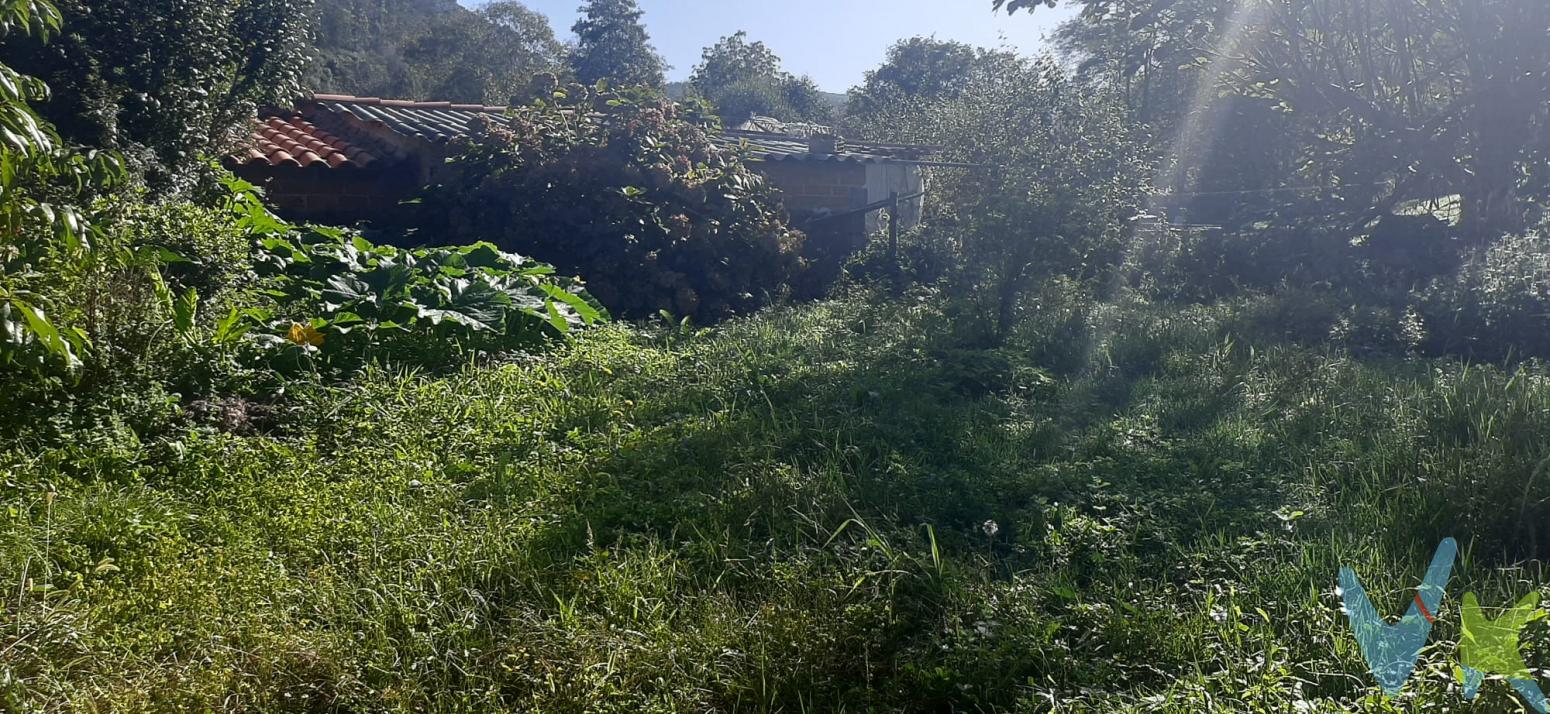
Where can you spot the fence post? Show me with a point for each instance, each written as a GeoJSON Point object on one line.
{"type": "Point", "coordinates": [893, 239]}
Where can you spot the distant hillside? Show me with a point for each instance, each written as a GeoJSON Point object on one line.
{"type": "Point", "coordinates": [428, 49]}
{"type": "Point", "coordinates": [360, 44]}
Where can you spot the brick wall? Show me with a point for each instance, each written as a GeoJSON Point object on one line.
{"type": "Point", "coordinates": [810, 187]}
{"type": "Point", "coordinates": [339, 196]}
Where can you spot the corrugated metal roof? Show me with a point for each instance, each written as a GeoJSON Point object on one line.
{"type": "Point", "coordinates": [776, 147]}
{"type": "Point", "coordinates": [436, 122]}
{"type": "Point", "coordinates": [771, 125]}
{"type": "Point", "coordinates": [440, 122]}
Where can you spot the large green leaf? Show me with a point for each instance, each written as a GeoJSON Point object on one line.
{"type": "Point", "coordinates": [390, 279]}
{"type": "Point", "coordinates": [47, 334]}
{"type": "Point", "coordinates": [184, 312]}
{"type": "Point", "coordinates": [585, 310]}
{"type": "Point", "coordinates": [346, 289]}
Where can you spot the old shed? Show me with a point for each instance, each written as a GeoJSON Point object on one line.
{"type": "Point", "coordinates": [343, 159]}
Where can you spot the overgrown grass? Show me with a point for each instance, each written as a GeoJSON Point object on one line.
{"type": "Point", "coordinates": [837, 507]}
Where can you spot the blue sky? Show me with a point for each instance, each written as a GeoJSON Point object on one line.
{"type": "Point", "coordinates": [833, 41]}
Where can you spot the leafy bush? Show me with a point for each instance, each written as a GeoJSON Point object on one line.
{"type": "Point", "coordinates": [1317, 286]}
{"type": "Point", "coordinates": [42, 228]}
{"type": "Point", "coordinates": [123, 307]}
{"type": "Point", "coordinates": [1497, 305]}
{"type": "Point", "coordinates": [342, 300]}
{"type": "Point", "coordinates": [136, 313]}
{"type": "Point", "coordinates": [628, 192]}
{"type": "Point", "coordinates": [165, 81]}
{"type": "Point", "coordinates": [1204, 265]}
{"type": "Point", "coordinates": [1062, 175]}
{"type": "Point", "coordinates": [204, 248]}
{"type": "Point", "coordinates": [924, 258]}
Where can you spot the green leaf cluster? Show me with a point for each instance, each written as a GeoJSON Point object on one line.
{"type": "Point", "coordinates": [343, 299]}
{"type": "Point", "coordinates": [626, 190]}
{"type": "Point", "coordinates": [35, 231]}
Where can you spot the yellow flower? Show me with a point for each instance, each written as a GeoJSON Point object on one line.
{"type": "Point", "coordinates": [304, 335]}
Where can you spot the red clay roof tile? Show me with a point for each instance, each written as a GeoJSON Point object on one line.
{"type": "Point", "coordinates": [288, 139]}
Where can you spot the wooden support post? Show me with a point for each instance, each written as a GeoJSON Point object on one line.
{"type": "Point", "coordinates": [893, 240]}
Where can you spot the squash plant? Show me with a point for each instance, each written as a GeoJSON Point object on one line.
{"type": "Point", "coordinates": [342, 299]}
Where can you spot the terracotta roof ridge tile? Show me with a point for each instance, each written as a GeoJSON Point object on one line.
{"type": "Point", "coordinates": [411, 104]}
{"type": "Point", "coordinates": [345, 98]}
{"type": "Point", "coordinates": [319, 97]}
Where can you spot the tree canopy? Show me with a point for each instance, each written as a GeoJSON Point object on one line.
{"type": "Point", "coordinates": [613, 46]}
{"type": "Point", "coordinates": [916, 67]}
{"type": "Point", "coordinates": [1388, 102]}
{"type": "Point", "coordinates": [742, 78]}
{"type": "Point", "coordinates": [429, 49]}
{"type": "Point", "coordinates": [164, 80]}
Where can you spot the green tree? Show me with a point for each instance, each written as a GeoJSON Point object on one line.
{"type": "Point", "coordinates": [1058, 172]}
{"type": "Point", "coordinates": [1223, 160]}
{"type": "Point", "coordinates": [915, 73]}
{"type": "Point", "coordinates": [1408, 100]}
{"type": "Point", "coordinates": [612, 45]}
{"type": "Point", "coordinates": [36, 231]}
{"type": "Point", "coordinates": [742, 78]}
{"type": "Point", "coordinates": [1383, 102]}
{"type": "Point", "coordinates": [916, 67]}
{"type": "Point", "coordinates": [487, 56]}
{"type": "Point", "coordinates": [901, 99]}
{"type": "Point", "coordinates": [431, 49]}
{"type": "Point", "coordinates": [165, 80]}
